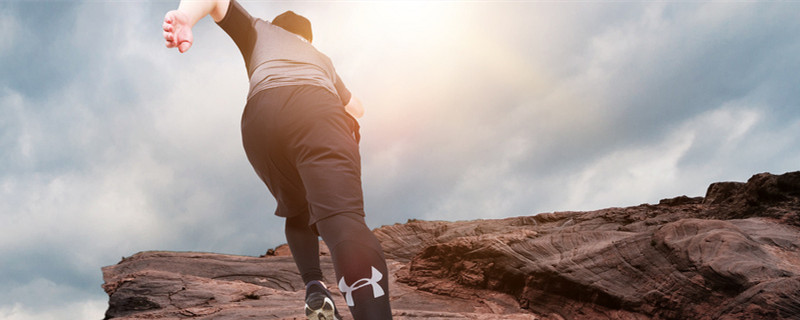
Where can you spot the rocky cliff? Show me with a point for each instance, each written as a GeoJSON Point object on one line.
{"type": "Point", "coordinates": [733, 254]}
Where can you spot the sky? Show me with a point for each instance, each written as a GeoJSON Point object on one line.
{"type": "Point", "coordinates": [111, 144]}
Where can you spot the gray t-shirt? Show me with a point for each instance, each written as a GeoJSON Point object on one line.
{"type": "Point", "coordinates": [275, 57]}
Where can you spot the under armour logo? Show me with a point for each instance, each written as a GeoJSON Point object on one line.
{"type": "Point", "coordinates": [377, 291]}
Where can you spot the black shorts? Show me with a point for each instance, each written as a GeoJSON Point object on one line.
{"type": "Point", "coordinates": [304, 146]}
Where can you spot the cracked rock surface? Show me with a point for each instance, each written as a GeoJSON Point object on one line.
{"type": "Point", "coordinates": [732, 254]}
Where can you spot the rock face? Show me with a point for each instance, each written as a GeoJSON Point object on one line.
{"type": "Point", "coordinates": [733, 254]}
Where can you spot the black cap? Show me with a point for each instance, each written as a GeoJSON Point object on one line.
{"type": "Point", "coordinates": [294, 23]}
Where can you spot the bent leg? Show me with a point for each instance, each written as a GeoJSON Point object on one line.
{"type": "Point", "coordinates": [360, 266]}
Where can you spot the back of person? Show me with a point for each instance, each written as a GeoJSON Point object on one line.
{"type": "Point", "coordinates": [302, 141]}
{"type": "Point", "coordinates": [276, 57]}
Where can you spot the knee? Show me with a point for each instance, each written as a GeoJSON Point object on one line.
{"type": "Point", "coordinates": [298, 222]}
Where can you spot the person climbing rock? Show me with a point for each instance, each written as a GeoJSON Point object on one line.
{"type": "Point", "coordinates": [300, 134]}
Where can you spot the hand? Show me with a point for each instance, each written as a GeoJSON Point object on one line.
{"type": "Point", "coordinates": [355, 108]}
{"type": "Point", "coordinates": [177, 30]}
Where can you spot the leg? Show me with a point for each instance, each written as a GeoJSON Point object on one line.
{"type": "Point", "coordinates": [314, 166]}
{"type": "Point", "coordinates": [327, 159]}
{"type": "Point", "coordinates": [304, 244]}
{"type": "Point", "coordinates": [359, 263]}
{"type": "Point", "coordinates": [262, 137]}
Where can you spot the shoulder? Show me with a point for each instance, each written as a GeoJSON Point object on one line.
{"type": "Point", "coordinates": [232, 12]}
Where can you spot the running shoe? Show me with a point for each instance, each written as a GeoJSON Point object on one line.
{"type": "Point", "coordinates": [319, 303]}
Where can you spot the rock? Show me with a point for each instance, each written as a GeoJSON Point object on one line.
{"type": "Point", "coordinates": [722, 192]}
{"type": "Point", "coordinates": [733, 254]}
{"type": "Point", "coordinates": [181, 285]}
{"type": "Point", "coordinates": [680, 201]}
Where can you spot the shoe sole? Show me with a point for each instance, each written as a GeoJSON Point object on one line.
{"type": "Point", "coordinates": [325, 312]}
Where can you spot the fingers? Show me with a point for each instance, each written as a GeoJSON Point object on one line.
{"type": "Point", "coordinates": [169, 29]}
{"type": "Point", "coordinates": [171, 42]}
{"type": "Point", "coordinates": [169, 39]}
{"type": "Point", "coordinates": [169, 18]}
{"type": "Point", "coordinates": [176, 32]}
{"type": "Point", "coordinates": [168, 21]}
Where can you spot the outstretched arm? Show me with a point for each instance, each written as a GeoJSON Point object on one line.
{"type": "Point", "coordinates": [178, 23]}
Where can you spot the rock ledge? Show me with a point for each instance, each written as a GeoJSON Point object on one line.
{"type": "Point", "coordinates": [733, 254]}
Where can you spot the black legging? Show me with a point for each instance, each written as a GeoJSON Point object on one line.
{"type": "Point", "coordinates": [304, 244]}
{"type": "Point", "coordinates": [355, 252]}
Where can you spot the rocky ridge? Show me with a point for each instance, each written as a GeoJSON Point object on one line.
{"type": "Point", "coordinates": [733, 254]}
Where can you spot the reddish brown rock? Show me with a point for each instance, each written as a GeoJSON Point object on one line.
{"type": "Point", "coordinates": [733, 254]}
{"type": "Point", "coordinates": [181, 285]}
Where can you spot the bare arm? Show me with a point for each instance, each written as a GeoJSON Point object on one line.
{"type": "Point", "coordinates": [178, 23]}
{"type": "Point", "coordinates": [354, 107]}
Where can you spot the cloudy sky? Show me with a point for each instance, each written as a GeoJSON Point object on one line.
{"type": "Point", "coordinates": [111, 144]}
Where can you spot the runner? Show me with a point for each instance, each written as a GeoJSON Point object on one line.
{"type": "Point", "coordinates": [300, 135]}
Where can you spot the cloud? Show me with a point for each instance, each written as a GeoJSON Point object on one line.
{"type": "Point", "coordinates": [111, 144]}
{"type": "Point", "coordinates": [616, 87]}
{"type": "Point", "coordinates": [625, 175]}
{"type": "Point", "coordinates": [107, 158]}
{"type": "Point", "coordinates": [84, 309]}
{"type": "Point", "coordinates": [9, 31]}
